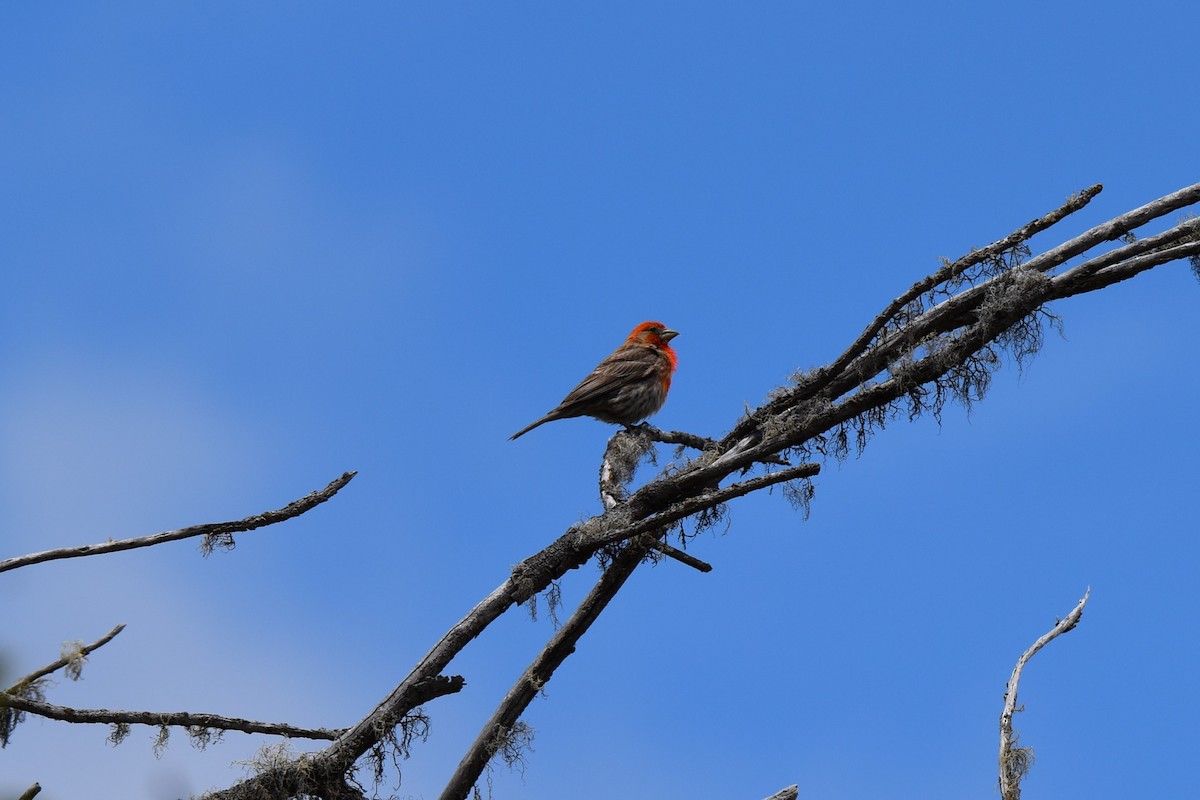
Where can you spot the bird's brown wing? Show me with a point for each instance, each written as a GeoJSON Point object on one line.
{"type": "Point", "coordinates": [625, 367]}
{"type": "Point", "coordinates": [611, 392]}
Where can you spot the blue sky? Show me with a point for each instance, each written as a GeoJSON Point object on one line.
{"type": "Point", "coordinates": [248, 248]}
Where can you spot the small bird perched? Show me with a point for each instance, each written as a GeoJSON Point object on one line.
{"type": "Point", "coordinates": [625, 388]}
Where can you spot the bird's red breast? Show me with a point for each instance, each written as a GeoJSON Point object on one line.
{"type": "Point", "coordinates": [657, 335]}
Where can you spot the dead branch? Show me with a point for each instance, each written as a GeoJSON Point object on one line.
{"type": "Point", "coordinates": [1014, 760]}
{"type": "Point", "coordinates": [682, 557]}
{"type": "Point", "coordinates": [954, 270]}
{"type": "Point", "coordinates": [72, 658]}
{"type": "Point", "coordinates": [684, 438]}
{"type": "Point", "coordinates": [906, 328]}
{"type": "Point", "coordinates": [178, 719]}
{"type": "Point", "coordinates": [27, 695]}
{"type": "Point", "coordinates": [320, 771]}
{"type": "Point", "coordinates": [699, 502]}
{"type": "Point", "coordinates": [625, 449]}
{"type": "Point", "coordinates": [498, 729]}
{"type": "Point", "coordinates": [214, 532]}
{"type": "Point", "coordinates": [621, 456]}
{"type": "Point", "coordinates": [32, 687]}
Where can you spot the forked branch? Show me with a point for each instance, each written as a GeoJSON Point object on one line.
{"type": "Point", "coordinates": [26, 696]}
{"type": "Point", "coordinates": [32, 687]}
{"type": "Point", "coordinates": [498, 730]}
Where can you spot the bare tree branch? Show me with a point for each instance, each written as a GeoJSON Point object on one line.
{"type": "Point", "coordinates": [953, 270]}
{"type": "Point", "coordinates": [73, 658]}
{"type": "Point", "coordinates": [32, 687]}
{"type": "Point", "coordinates": [498, 730]}
{"type": "Point", "coordinates": [318, 772]}
{"type": "Point", "coordinates": [31, 792]}
{"type": "Point", "coordinates": [1076, 283]}
{"type": "Point", "coordinates": [621, 456]}
{"type": "Point", "coordinates": [1181, 233]}
{"type": "Point", "coordinates": [499, 734]}
{"type": "Point", "coordinates": [701, 502]}
{"type": "Point", "coordinates": [678, 437]}
{"type": "Point", "coordinates": [904, 328]}
{"type": "Point", "coordinates": [27, 695]}
{"type": "Point", "coordinates": [682, 557]}
{"type": "Point", "coordinates": [787, 793]}
{"type": "Point", "coordinates": [181, 719]}
{"type": "Point", "coordinates": [1014, 760]}
{"type": "Point", "coordinates": [211, 531]}
{"type": "Point", "coordinates": [1118, 227]}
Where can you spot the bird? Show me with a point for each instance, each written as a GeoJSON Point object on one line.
{"type": "Point", "coordinates": [625, 388]}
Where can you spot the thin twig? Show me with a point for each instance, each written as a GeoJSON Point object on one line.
{"type": "Point", "coordinates": [1014, 760]}
{"type": "Point", "coordinates": [182, 719]}
{"type": "Point", "coordinates": [289, 511]}
{"type": "Point", "coordinates": [83, 652]}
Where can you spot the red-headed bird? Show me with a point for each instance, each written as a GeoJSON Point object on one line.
{"type": "Point", "coordinates": [625, 388]}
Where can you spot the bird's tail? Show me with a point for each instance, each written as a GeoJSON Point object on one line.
{"type": "Point", "coordinates": [532, 425]}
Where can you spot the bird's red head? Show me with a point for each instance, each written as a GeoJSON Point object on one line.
{"type": "Point", "coordinates": [654, 333]}
{"type": "Point", "coordinates": [657, 335]}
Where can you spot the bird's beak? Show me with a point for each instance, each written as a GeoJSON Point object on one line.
{"type": "Point", "coordinates": [668, 335]}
